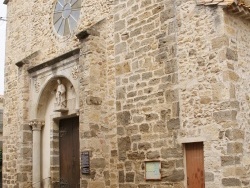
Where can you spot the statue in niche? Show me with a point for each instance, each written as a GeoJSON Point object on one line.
{"type": "Point", "coordinates": [60, 95]}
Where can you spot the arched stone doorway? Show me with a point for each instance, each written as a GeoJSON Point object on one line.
{"type": "Point", "coordinates": [57, 101]}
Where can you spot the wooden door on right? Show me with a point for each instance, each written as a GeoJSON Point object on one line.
{"type": "Point", "coordinates": [69, 153]}
{"type": "Point", "coordinates": [195, 165]}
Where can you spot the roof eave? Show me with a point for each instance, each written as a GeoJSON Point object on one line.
{"type": "Point", "coordinates": [234, 7]}
{"type": "Point", "coordinates": [240, 10]}
{"type": "Point", "coordinates": [5, 2]}
{"type": "Point", "coordinates": [215, 2]}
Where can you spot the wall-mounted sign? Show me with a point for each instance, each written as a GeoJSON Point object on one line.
{"type": "Point", "coordinates": [152, 170]}
{"type": "Point", "coordinates": [85, 168]}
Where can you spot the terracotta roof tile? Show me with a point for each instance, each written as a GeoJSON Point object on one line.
{"type": "Point", "coordinates": [236, 7]}
{"type": "Point", "coordinates": [239, 9]}
{"type": "Point", "coordinates": [215, 2]}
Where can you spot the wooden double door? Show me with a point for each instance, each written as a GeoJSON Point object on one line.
{"type": "Point", "coordinates": [69, 153]}
{"type": "Point", "coordinates": [195, 165]}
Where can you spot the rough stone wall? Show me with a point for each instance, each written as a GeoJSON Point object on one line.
{"type": "Point", "coordinates": [213, 83]}
{"type": "Point", "coordinates": [208, 105]}
{"type": "Point", "coordinates": [31, 37]}
{"type": "Point", "coordinates": [1, 118]}
{"type": "Point", "coordinates": [201, 61]}
{"type": "Point", "coordinates": [237, 74]}
{"type": "Point", "coordinates": [97, 106]}
{"type": "Point", "coordinates": [10, 131]}
{"type": "Point", "coordinates": [153, 75]}
{"type": "Point", "coordinates": [147, 101]}
{"type": "Point", "coordinates": [34, 29]}
{"type": "Point", "coordinates": [24, 143]}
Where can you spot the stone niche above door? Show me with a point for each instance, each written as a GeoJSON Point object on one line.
{"type": "Point", "coordinates": [56, 82]}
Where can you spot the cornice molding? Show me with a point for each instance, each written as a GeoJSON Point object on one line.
{"type": "Point", "coordinates": [54, 60]}
{"type": "Point", "coordinates": [234, 7]}
{"type": "Point", "coordinates": [90, 30]}
{"type": "Point", "coordinates": [27, 59]}
{"type": "Point", "coordinates": [215, 2]}
{"type": "Point", "coordinates": [5, 2]}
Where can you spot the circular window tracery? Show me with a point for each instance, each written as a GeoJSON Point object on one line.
{"type": "Point", "coordinates": [66, 15]}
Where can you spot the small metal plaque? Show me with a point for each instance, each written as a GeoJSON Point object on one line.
{"type": "Point", "coordinates": [85, 162]}
{"type": "Point", "coordinates": [152, 170]}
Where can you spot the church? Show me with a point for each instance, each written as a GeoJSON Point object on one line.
{"type": "Point", "coordinates": [127, 94]}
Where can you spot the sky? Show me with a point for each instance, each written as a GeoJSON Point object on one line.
{"type": "Point", "coordinates": [3, 11]}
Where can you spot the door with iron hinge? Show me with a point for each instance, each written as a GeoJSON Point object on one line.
{"type": "Point", "coordinates": [69, 153]}
{"type": "Point", "coordinates": [195, 165]}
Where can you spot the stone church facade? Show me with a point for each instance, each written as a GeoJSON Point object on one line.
{"type": "Point", "coordinates": [151, 93]}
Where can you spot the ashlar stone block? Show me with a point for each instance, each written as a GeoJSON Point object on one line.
{"type": "Point", "coordinates": [136, 156]}
{"type": "Point", "coordinates": [98, 163]}
{"type": "Point", "coordinates": [123, 118]}
{"type": "Point", "coordinates": [209, 176]}
{"type": "Point", "coordinates": [234, 148]}
{"type": "Point", "coordinates": [175, 176]}
{"type": "Point", "coordinates": [173, 124]}
{"type": "Point", "coordinates": [124, 145]}
{"type": "Point", "coordinates": [121, 176]}
{"type": "Point", "coordinates": [153, 155]}
{"type": "Point", "coordinates": [91, 100]}
{"type": "Point", "coordinates": [171, 153]}
{"type": "Point", "coordinates": [231, 54]}
{"type": "Point", "coordinates": [231, 182]}
{"type": "Point", "coordinates": [120, 48]}
{"type": "Point", "coordinates": [171, 96]}
{"type": "Point", "coordinates": [167, 14]}
{"type": "Point", "coordinates": [220, 41]}
{"type": "Point", "coordinates": [130, 176]}
{"type": "Point", "coordinates": [227, 115]}
{"type": "Point", "coordinates": [96, 184]}
{"type": "Point", "coordinates": [227, 160]}
{"type": "Point", "coordinates": [144, 146]}
{"type": "Point", "coordinates": [144, 127]}
{"type": "Point", "coordinates": [122, 68]}
{"type": "Point", "coordinates": [234, 134]}
{"type": "Point", "coordinates": [119, 25]}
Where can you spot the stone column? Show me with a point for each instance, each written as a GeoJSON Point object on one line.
{"type": "Point", "coordinates": [36, 155]}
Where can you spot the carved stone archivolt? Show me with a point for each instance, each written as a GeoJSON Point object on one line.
{"type": "Point", "coordinates": [37, 86]}
{"type": "Point", "coordinates": [75, 72]}
{"type": "Point", "coordinates": [36, 124]}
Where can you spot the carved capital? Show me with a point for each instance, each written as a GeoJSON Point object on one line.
{"type": "Point", "coordinates": [36, 124]}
